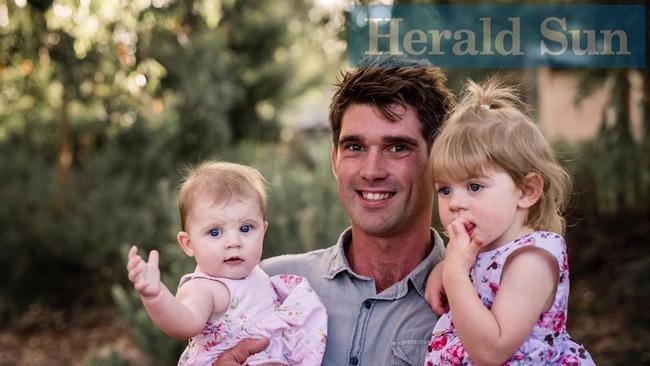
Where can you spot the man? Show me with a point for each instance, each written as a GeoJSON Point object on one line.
{"type": "Point", "coordinates": [383, 117]}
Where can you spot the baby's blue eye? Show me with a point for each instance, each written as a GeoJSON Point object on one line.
{"type": "Point", "coordinates": [444, 191]}
{"type": "Point", "coordinates": [474, 187]}
{"type": "Point", "coordinates": [215, 232]}
{"type": "Point", "coordinates": [245, 228]}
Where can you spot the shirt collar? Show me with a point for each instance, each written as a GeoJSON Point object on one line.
{"type": "Point", "coordinates": [417, 278]}
{"type": "Point", "coordinates": [338, 261]}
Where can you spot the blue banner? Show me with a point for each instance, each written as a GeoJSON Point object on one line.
{"type": "Point", "coordinates": [494, 36]}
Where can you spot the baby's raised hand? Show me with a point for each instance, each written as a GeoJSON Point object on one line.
{"type": "Point", "coordinates": [144, 275]}
{"type": "Point", "coordinates": [461, 249]}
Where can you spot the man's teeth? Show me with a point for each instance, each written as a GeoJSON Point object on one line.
{"type": "Point", "coordinates": [375, 196]}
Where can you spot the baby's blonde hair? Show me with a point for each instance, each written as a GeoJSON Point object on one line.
{"type": "Point", "coordinates": [220, 180]}
{"type": "Point", "coordinates": [490, 127]}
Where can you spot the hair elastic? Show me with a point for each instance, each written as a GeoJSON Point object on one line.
{"type": "Point", "coordinates": [485, 106]}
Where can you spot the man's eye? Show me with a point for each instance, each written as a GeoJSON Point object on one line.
{"type": "Point", "coordinates": [215, 232]}
{"type": "Point", "coordinates": [444, 191]}
{"type": "Point", "coordinates": [475, 187]}
{"type": "Point", "coordinates": [353, 147]}
{"type": "Point", "coordinates": [398, 148]}
{"type": "Point", "coordinates": [245, 228]}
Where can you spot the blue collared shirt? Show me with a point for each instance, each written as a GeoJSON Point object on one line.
{"type": "Point", "coordinates": [366, 328]}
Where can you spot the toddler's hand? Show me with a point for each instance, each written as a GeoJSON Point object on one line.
{"type": "Point", "coordinates": [435, 293]}
{"type": "Point", "coordinates": [144, 275]}
{"type": "Point", "coordinates": [461, 250]}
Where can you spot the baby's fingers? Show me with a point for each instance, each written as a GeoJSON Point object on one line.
{"type": "Point", "coordinates": [135, 263]}
{"type": "Point", "coordinates": [136, 273]}
{"type": "Point", "coordinates": [460, 231]}
{"type": "Point", "coordinates": [437, 300]}
{"type": "Point", "coordinates": [478, 242]}
{"type": "Point", "coordinates": [140, 286]}
{"type": "Point", "coordinates": [440, 305]}
{"type": "Point", "coordinates": [134, 259]}
{"type": "Point", "coordinates": [153, 258]}
{"type": "Point", "coordinates": [451, 231]}
{"type": "Point", "coordinates": [133, 251]}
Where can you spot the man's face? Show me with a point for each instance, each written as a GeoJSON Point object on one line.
{"type": "Point", "coordinates": [381, 171]}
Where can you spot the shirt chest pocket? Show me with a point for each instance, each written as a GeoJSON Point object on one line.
{"type": "Point", "coordinates": [408, 353]}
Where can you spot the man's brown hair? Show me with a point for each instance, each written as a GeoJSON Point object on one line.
{"type": "Point", "coordinates": [382, 82]}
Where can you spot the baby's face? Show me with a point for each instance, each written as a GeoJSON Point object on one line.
{"type": "Point", "coordinates": [226, 237]}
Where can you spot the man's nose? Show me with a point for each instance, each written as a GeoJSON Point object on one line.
{"type": "Point", "coordinates": [374, 166]}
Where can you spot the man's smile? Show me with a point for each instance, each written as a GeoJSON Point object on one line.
{"type": "Point", "coordinates": [375, 196]}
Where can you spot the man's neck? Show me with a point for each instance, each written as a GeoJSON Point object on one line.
{"type": "Point", "coordinates": [388, 259]}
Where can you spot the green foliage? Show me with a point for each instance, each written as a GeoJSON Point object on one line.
{"type": "Point", "coordinates": [111, 358]}
{"type": "Point", "coordinates": [609, 223]}
{"type": "Point", "coordinates": [102, 103]}
{"type": "Point", "coordinates": [615, 165]}
{"type": "Point", "coordinates": [70, 236]}
{"type": "Point", "coordinates": [163, 349]}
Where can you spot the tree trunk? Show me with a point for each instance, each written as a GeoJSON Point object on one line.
{"type": "Point", "coordinates": [65, 145]}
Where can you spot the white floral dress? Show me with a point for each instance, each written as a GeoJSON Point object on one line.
{"type": "Point", "coordinates": [549, 342]}
{"type": "Point", "coordinates": [283, 308]}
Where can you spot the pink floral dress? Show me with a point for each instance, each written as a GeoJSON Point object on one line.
{"type": "Point", "coordinates": [549, 342]}
{"type": "Point", "coordinates": [283, 308]}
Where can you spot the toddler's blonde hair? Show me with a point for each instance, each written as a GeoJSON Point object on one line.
{"type": "Point", "coordinates": [490, 127]}
{"type": "Point", "coordinates": [220, 180]}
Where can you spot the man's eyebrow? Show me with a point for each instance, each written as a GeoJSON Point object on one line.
{"type": "Point", "coordinates": [349, 138]}
{"type": "Point", "coordinates": [401, 139]}
{"type": "Point", "coordinates": [394, 139]}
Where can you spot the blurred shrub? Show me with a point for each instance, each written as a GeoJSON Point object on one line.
{"type": "Point", "coordinates": [162, 349]}
{"type": "Point", "coordinates": [116, 110]}
{"type": "Point", "coordinates": [69, 236]}
{"type": "Point", "coordinates": [609, 225]}
{"type": "Point", "coordinates": [109, 358]}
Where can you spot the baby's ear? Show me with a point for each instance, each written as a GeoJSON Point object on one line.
{"type": "Point", "coordinates": [184, 241]}
{"type": "Point", "coordinates": [266, 225]}
{"type": "Point", "coordinates": [531, 190]}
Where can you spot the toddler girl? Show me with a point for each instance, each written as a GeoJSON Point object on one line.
{"type": "Point", "coordinates": [228, 298]}
{"type": "Point", "coordinates": [505, 275]}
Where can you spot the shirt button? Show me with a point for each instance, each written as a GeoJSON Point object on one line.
{"type": "Point", "coordinates": [354, 360]}
{"type": "Point", "coordinates": [367, 304]}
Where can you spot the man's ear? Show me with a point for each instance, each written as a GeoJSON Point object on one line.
{"type": "Point", "coordinates": [531, 190]}
{"type": "Point", "coordinates": [184, 241]}
{"type": "Point", "coordinates": [335, 153]}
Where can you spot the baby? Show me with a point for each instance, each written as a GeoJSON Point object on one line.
{"type": "Point", "coordinates": [228, 298]}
